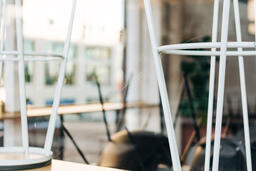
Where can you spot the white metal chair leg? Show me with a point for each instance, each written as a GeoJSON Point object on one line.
{"type": "Point", "coordinates": [53, 117]}
{"type": "Point", "coordinates": [211, 89]}
{"type": "Point", "coordinates": [224, 45]}
{"type": "Point", "coordinates": [23, 111]}
{"type": "Point", "coordinates": [221, 83]}
{"type": "Point", "coordinates": [163, 90]}
{"type": "Point", "coordinates": [34, 156]}
{"type": "Point", "coordinates": [243, 89]}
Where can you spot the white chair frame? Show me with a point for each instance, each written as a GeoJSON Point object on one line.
{"type": "Point", "coordinates": [185, 49]}
{"type": "Point", "coordinates": [20, 56]}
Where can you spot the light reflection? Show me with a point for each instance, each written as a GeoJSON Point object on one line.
{"type": "Point", "coordinates": [97, 21]}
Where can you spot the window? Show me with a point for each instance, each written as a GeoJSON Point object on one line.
{"type": "Point", "coordinates": [103, 73]}
{"type": "Point", "coordinates": [98, 63]}
{"type": "Point", "coordinates": [98, 53]}
{"type": "Point", "coordinates": [29, 46]}
{"type": "Point", "coordinates": [52, 68]}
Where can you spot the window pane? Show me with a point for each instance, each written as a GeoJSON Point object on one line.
{"type": "Point", "coordinates": [97, 53]}
{"type": "Point", "coordinates": [98, 63]}
{"type": "Point", "coordinates": [29, 46]}
{"type": "Point", "coordinates": [52, 68]}
{"type": "Point", "coordinates": [103, 73]}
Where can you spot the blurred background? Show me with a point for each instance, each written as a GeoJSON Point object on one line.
{"type": "Point", "coordinates": [111, 58]}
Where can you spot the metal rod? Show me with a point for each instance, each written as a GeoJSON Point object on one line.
{"type": "Point", "coordinates": [124, 34]}
{"type": "Point", "coordinates": [178, 108]}
{"type": "Point", "coordinates": [161, 114]}
{"type": "Point", "coordinates": [243, 89]}
{"type": "Point", "coordinates": [191, 105]}
{"type": "Point", "coordinates": [23, 110]}
{"type": "Point", "coordinates": [56, 102]}
{"type": "Point", "coordinates": [43, 54]}
{"type": "Point", "coordinates": [229, 117]}
{"type": "Point", "coordinates": [62, 137]}
{"type": "Point", "coordinates": [31, 54]}
{"type": "Point", "coordinates": [103, 109]}
{"type": "Point", "coordinates": [74, 142]}
{"type": "Point", "coordinates": [209, 53]}
{"type": "Point", "coordinates": [207, 45]}
{"type": "Point", "coordinates": [221, 83]}
{"type": "Point", "coordinates": [42, 59]}
{"type": "Point", "coordinates": [124, 99]}
{"type": "Point", "coordinates": [211, 88]}
{"type": "Point", "coordinates": [163, 90]}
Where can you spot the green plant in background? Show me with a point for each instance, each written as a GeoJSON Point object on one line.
{"type": "Point", "coordinates": [27, 74]}
{"type": "Point", "coordinates": [197, 71]}
{"type": "Point", "coordinates": [69, 78]}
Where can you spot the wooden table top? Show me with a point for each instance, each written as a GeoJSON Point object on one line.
{"type": "Point", "coordinates": [58, 165]}
{"type": "Point", "coordinates": [76, 109]}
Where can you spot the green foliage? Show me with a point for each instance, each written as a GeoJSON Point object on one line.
{"type": "Point", "coordinates": [27, 74]}
{"type": "Point", "coordinates": [197, 71]}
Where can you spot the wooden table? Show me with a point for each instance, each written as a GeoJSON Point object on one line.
{"type": "Point", "coordinates": [58, 165]}
{"type": "Point", "coordinates": [32, 112]}
{"type": "Point", "coordinates": [76, 109]}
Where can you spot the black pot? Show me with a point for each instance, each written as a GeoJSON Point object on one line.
{"type": "Point", "coordinates": [231, 158]}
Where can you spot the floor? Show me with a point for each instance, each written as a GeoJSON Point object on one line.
{"type": "Point", "coordinates": [90, 140]}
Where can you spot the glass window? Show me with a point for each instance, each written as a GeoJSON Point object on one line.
{"type": "Point", "coordinates": [103, 73]}
{"type": "Point", "coordinates": [52, 68]}
{"type": "Point", "coordinates": [29, 46]}
{"type": "Point", "coordinates": [98, 63]}
{"type": "Point", "coordinates": [98, 53]}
